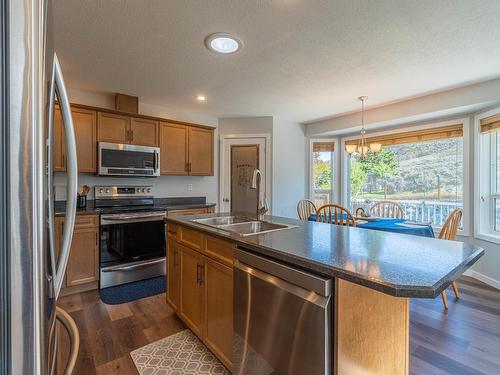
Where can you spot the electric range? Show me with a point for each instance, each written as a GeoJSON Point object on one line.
{"type": "Point", "coordinates": [132, 234]}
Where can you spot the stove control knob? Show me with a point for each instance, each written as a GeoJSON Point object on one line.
{"type": "Point", "coordinates": [149, 190]}
{"type": "Point", "coordinates": [100, 190]}
{"type": "Point", "coordinates": [107, 191]}
{"type": "Point", "coordinates": [143, 190]}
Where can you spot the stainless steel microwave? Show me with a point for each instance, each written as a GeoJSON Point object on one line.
{"type": "Point", "coordinates": [116, 159]}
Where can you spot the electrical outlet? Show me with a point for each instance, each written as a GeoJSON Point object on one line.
{"type": "Point", "coordinates": [190, 187]}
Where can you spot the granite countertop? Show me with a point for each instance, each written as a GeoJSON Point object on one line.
{"type": "Point", "coordinates": [396, 264]}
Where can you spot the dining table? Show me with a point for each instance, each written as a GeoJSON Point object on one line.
{"type": "Point", "coordinates": [402, 226]}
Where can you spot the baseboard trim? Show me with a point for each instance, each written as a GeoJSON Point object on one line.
{"type": "Point", "coordinates": [485, 279]}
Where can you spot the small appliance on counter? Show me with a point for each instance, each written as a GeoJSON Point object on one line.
{"type": "Point", "coordinates": [81, 198]}
{"type": "Point", "coordinates": [132, 234]}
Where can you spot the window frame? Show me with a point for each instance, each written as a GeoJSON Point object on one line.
{"type": "Point", "coordinates": [465, 121]}
{"type": "Point", "coordinates": [485, 189]}
{"type": "Point", "coordinates": [335, 170]}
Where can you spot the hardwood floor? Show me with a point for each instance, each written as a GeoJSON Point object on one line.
{"type": "Point", "coordinates": [465, 340]}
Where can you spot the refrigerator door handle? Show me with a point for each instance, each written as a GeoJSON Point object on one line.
{"type": "Point", "coordinates": [58, 87]}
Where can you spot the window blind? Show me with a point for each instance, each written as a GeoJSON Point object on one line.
{"type": "Point", "coordinates": [425, 135]}
{"type": "Point", "coordinates": [490, 124]}
{"type": "Point", "coordinates": [323, 147]}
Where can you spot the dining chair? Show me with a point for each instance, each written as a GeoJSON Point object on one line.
{"type": "Point", "coordinates": [305, 208]}
{"type": "Point", "coordinates": [335, 214]}
{"type": "Point", "coordinates": [449, 232]}
{"type": "Point", "coordinates": [387, 209]}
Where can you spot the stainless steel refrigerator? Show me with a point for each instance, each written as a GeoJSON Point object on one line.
{"type": "Point", "coordinates": [30, 275]}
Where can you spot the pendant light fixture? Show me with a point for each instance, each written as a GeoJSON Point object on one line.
{"type": "Point", "coordinates": [362, 148]}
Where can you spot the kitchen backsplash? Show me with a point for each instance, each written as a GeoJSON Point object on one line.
{"type": "Point", "coordinates": [163, 186]}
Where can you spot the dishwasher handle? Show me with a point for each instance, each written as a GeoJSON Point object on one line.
{"type": "Point", "coordinates": [310, 282]}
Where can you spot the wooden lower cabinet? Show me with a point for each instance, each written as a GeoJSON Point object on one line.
{"type": "Point", "coordinates": [219, 309]}
{"type": "Point", "coordinates": [200, 290]}
{"type": "Point", "coordinates": [192, 300]}
{"type": "Point", "coordinates": [173, 285]}
{"type": "Point", "coordinates": [82, 272]}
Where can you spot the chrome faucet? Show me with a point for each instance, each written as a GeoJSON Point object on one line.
{"type": "Point", "coordinates": [262, 206]}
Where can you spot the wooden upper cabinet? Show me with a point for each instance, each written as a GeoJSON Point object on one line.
{"type": "Point", "coordinates": [174, 149]}
{"type": "Point", "coordinates": [59, 151]}
{"type": "Point", "coordinates": [144, 132]}
{"type": "Point", "coordinates": [113, 128]}
{"type": "Point", "coordinates": [201, 152]}
{"type": "Point", "coordinates": [85, 124]}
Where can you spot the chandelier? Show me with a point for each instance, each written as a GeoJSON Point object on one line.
{"type": "Point", "coordinates": [362, 148]}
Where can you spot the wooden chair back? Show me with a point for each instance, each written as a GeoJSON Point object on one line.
{"type": "Point", "coordinates": [387, 209]}
{"type": "Point", "coordinates": [335, 214]}
{"type": "Point", "coordinates": [305, 208]}
{"type": "Point", "coordinates": [450, 227]}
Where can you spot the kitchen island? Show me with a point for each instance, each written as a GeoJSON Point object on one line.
{"type": "Point", "coordinates": [373, 274]}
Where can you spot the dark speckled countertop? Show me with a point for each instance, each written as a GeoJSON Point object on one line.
{"type": "Point", "coordinates": [167, 204]}
{"type": "Point", "coordinates": [396, 264]}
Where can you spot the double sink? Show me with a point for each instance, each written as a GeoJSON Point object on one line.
{"type": "Point", "coordinates": [241, 225]}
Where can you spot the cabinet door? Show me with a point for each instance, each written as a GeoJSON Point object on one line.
{"type": "Point", "coordinates": [173, 275]}
{"type": "Point", "coordinates": [219, 310]}
{"type": "Point", "coordinates": [201, 152]}
{"type": "Point", "coordinates": [83, 264]}
{"type": "Point", "coordinates": [85, 125]}
{"type": "Point", "coordinates": [144, 132]}
{"type": "Point", "coordinates": [191, 301]}
{"type": "Point", "coordinates": [173, 149]}
{"type": "Point", "coordinates": [113, 128]}
{"type": "Point", "coordinates": [59, 155]}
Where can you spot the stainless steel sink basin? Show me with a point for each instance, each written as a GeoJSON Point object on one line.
{"type": "Point", "coordinates": [242, 226]}
{"type": "Point", "coordinates": [222, 220]}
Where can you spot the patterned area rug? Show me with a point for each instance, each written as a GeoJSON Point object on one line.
{"type": "Point", "coordinates": [179, 354]}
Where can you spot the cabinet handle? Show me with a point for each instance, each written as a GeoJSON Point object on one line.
{"type": "Point", "coordinates": [131, 136]}
{"type": "Point", "coordinates": [175, 258]}
{"type": "Point", "coordinates": [202, 274]}
{"type": "Point", "coordinates": [197, 273]}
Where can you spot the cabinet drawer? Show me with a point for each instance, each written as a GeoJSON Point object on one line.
{"type": "Point", "coordinates": [191, 238]}
{"type": "Point", "coordinates": [192, 211]}
{"type": "Point", "coordinates": [86, 221]}
{"type": "Point", "coordinates": [220, 250]}
{"type": "Point", "coordinates": [172, 230]}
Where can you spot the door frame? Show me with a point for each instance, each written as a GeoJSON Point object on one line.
{"type": "Point", "coordinates": [224, 164]}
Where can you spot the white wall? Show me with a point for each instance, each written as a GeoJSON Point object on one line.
{"type": "Point", "coordinates": [246, 125]}
{"type": "Point", "coordinates": [163, 186]}
{"type": "Point", "coordinates": [289, 167]}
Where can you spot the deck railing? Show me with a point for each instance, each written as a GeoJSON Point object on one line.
{"type": "Point", "coordinates": [427, 211]}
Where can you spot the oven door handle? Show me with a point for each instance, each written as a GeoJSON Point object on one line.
{"type": "Point", "coordinates": [132, 217]}
{"type": "Point", "coordinates": [133, 266]}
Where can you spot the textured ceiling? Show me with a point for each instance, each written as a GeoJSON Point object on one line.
{"type": "Point", "coordinates": [302, 59]}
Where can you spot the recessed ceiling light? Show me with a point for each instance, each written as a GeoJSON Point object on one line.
{"type": "Point", "coordinates": [223, 43]}
{"type": "Point", "coordinates": [201, 98]}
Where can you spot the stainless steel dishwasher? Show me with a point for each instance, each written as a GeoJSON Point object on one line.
{"type": "Point", "coordinates": [282, 318]}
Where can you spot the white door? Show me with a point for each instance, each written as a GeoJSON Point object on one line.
{"type": "Point", "coordinates": [239, 158]}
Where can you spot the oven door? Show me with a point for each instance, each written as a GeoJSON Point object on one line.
{"type": "Point", "coordinates": [132, 247]}
{"type": "Point", "coordinates": [117, 159]}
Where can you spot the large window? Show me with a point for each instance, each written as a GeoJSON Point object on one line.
{"type": "Point", "coordinates": [322, 164]}
{"type": "Point", "coordinates": [422, 172]}
{"type": "Point", "coordinates": [489, 176]}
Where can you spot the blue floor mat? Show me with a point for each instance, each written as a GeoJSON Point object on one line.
{"type": "Point", "coordinates": [133, 291]}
